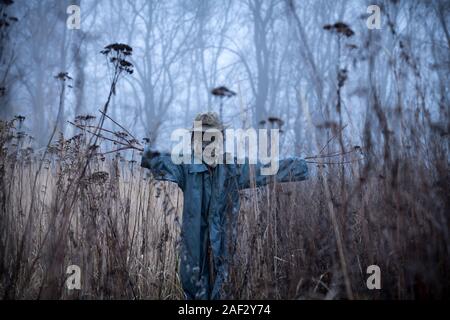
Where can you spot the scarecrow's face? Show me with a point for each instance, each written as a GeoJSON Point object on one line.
{"type": "Point", "coordinates": [197, 141]}
{"type": "Point", "coordinates": [200, 141]}
{"type": "Point", "coordinates": [207, 144]}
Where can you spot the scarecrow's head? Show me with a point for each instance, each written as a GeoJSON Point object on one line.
{"type": "Point", "coordinates": [207, 134]}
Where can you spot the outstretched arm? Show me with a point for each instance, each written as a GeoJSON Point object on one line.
{"type": "Point", "coordinates": [162, 166]}
{"type": "Point", "coordinates": [289, 169]}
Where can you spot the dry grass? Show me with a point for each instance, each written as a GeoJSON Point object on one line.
{"type": "Point", "coordinates": [121, 228]}
{"type": "Point", "coordinates": [307, 240]}
{"type": "Point", "coordinates": [313, 239]}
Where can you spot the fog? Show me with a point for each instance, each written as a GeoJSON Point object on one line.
{"type": "Point", "coordinates": [278, 56]}
{"type": "Point", "coordinates": [359, 89]}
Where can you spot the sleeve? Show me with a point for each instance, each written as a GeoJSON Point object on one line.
{"type": "Point", "coordinates": [162, 167]}
{"type": "Point", "coordinates": [289, 169]}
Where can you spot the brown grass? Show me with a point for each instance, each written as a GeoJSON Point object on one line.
{"type": "Point", "coordinates": [312, 239]}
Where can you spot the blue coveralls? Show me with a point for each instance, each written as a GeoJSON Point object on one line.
{"type": "Point", "coordinates": [211, 206]}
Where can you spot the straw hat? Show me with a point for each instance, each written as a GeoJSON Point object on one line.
{"type": "Point", "coordinates": [209, 120]}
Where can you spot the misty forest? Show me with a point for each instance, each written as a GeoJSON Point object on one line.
{"type": "Point", "coordinates": [361, 95]}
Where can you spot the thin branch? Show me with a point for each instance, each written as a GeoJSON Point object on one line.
{"type": "Point", "coordinates": [121, 149]}
{"type": "Point", "coordinates": [340, 162]}
{"type": "Point", "coordinates": [332, 138]}
{"type": "Point", "coordinates": [98, 135]}
{"type": "Point", "coordinates": [331, 155]}
{"type": "Point", "coordinates": [120, 126]}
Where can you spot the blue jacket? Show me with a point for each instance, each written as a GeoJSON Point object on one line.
{"type": "Point", "coordinates": [211, 207]}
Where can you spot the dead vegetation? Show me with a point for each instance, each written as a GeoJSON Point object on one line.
{"type": "Point", "coordinates": [302, 240]}
{"type": "Point", "coordinates": [74, 204]}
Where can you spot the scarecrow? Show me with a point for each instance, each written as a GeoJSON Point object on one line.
{"type": "Point", "coordinates": [211, 207]}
